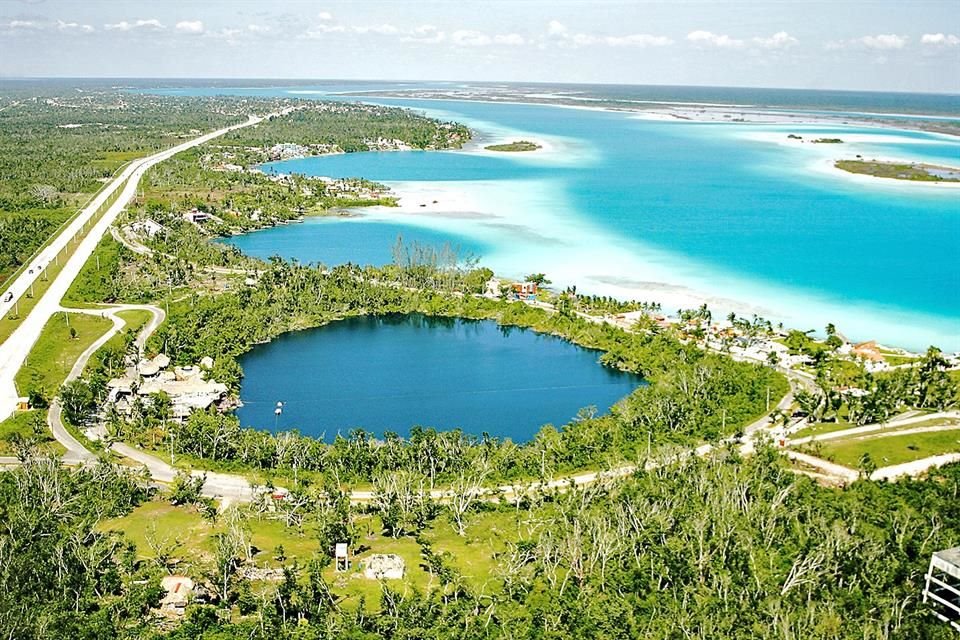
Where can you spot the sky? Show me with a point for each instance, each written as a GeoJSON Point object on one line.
{"type": "Point", "coordinates": [884, 45]}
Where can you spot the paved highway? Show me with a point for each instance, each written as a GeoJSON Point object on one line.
{"type": "Point", "coordinates": [14, 350]}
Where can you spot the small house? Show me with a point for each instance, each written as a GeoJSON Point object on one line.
{"type": "Point", "coordinates": [867, 351]}
{"type": "Point", "coordinates": [196, 216]}
{"type": "Point", "coordinates": [178, 590]}
{"type": "Point", "coordinates": [526, 290]}
{"type": "Point", "coordinates": [147, 227]}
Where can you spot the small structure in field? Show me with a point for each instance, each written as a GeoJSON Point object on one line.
{"type": "Point", "coordinates": [384, 566]}
{"type": "Point", "coordinates": [341, 557]}
{"type": "Point", "coordinates": [196, 216]}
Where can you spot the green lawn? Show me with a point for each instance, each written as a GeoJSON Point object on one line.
{"type": "Point", "coordinates": [820, 428]}
{"type": "Point", "coordinates": [894, 449]}
{"type": "Point", "coordinates": [135, 318]}
{"type": "Point", "coordinates": [55, 352]}
{"type": "Point", "coordinates": [29, 425]}
{"type": "Point", "coordinates": [189, 536]}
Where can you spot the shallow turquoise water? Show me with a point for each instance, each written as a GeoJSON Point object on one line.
{"type": "Point", "coordinates": [332, 241]}
{"type": "Point", "coordinates": [750, 210]}
{"type": "Point", "coordinates": [391, 373]}
{"type": "Point", "coordinates": [630, 206]}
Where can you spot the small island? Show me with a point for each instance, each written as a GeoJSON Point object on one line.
{"type": "Point", "coordinates": [828, 141]}
{"type": "Point", "coordinates": [900, 171]}
{"type": "Point", "coordinates": [517, 145]}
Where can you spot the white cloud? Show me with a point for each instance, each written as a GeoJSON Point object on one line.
{"type": "Point", "coordinates": [709, 38]}
{"type": "Point", "coordinates": [637, 40]}
{"type": "Point", "coordinates": [319, 30]}
{"type": "Point", "coordinates": [940, 39]}
{"type": "Point", "coordinates": [555, 28]}
{"type": "Point", "coordinates": [325, 16]}
{"type": "Point", "coordinates": [469, 38]}
{"type": "Point", "coordinates": [151, 25]}
{"type": "Point", "coordinates": [23, 25]}
{"type": "Point", "coordinates": [382, 29]}
{"type": "Point", "coordinates": [512, 39]}
{"type": "Point", "coordinates": [74, 27]}
{"type": "Point", "coordinates": [884, 41]}
{"type": "Point", "coordinates": [258, 28]}
{"type": "Point", "coordinates": [425, 33]}
{"type": "Point", "coordinates": [230, 35]}
{"type": "Point", "coordinates": [779, 40]}
{"type": "Point", "coordinates": [190, 26]}
{"type": "Point", "coordinates": [560, 33]}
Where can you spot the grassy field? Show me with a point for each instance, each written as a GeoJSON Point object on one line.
{"type": "Point", "coordinates": [892, 449]}
{"type": "Point", "coordinates": [184, 534]}
{"type": "Point", "coordinates": [56, 351]}
{"type": "Point", "coordinates": [28, 425]}
{"type": "Point", "coordinates": [135, 318]}
{"type": "Point", "coordinates": [819, 428]}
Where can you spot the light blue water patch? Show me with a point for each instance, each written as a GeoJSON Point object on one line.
{"type": "Point", "coordinates": [331, 241]}
{"type": "Point", "coordinates": [394, 372]}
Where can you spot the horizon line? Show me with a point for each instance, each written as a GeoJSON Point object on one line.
{"type": "Point", "coordinates": [4, 78]}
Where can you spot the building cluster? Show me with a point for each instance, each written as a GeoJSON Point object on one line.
{"type": "Point", "coordinates": [187, 387]}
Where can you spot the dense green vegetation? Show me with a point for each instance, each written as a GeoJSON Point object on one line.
{"type": "Point", "coordinates": [692, 396]}
{"type": "Point", "coordinates": [351, 127]}
{"type": "Point", "coordinates": [58, 145]}
{"type": "Point", "coordinates": [704, 548]}
{"type": "Point", "coordinates": [518, 145]}
{"type": "Point", "coordinates": [900, 171]}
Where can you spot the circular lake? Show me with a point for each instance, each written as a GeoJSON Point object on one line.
{"type": "Point", "coordinates": [390, 373]}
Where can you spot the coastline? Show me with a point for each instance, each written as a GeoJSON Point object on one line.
{"type": "Point", "coordinates": [636, 271]}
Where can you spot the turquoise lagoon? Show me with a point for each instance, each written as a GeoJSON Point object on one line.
{"type": "Point", "coordinates": [394, 372]}
{"type": "Point", "coordinates": [679, 212]}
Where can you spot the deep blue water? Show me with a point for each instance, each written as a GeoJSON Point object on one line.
{"type": "Point", "coordinates": [391, 373]}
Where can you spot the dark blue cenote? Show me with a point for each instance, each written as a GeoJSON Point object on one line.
{"type": "Point", "coordinates": [390, 373]}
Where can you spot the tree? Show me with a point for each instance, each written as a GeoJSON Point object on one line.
{"type": "Point", "coordinates": [465, 491]}
{"type": "Point", "coordinates": [77, 400]}
{"type": "Point", "coordinates": [538, 279]}
{"type": "Point", "coordinates": [186, 488]}
{"type": "Point", "coordinates": [935, 387]}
